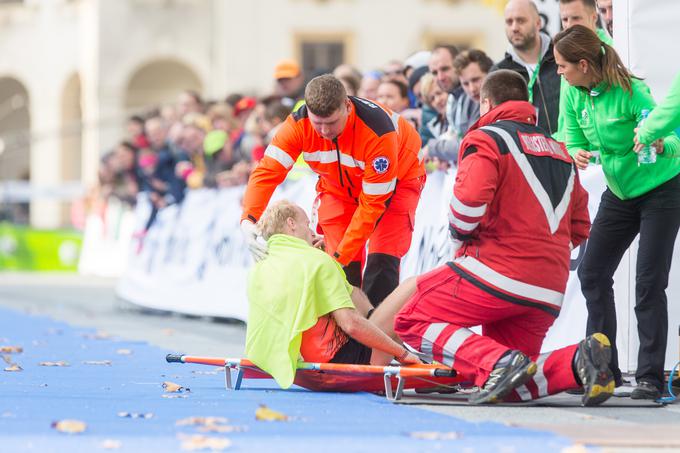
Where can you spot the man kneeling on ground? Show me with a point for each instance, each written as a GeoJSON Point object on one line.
{"type": "Point", "coordinates": [517, 210]}
{"type": "Point", "coordinates": [301, 305]}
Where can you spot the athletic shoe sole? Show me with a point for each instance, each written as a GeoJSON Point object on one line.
{"type": "Point", "coordinates": [520, 377]}
{"type": "Point", "coordinates": [599, 383]}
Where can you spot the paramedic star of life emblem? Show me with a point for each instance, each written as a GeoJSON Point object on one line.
{"type": "Point", "coordinates": [381, 164]}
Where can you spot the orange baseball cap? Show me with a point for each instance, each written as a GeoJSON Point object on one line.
{"type": "Point", "coordinates": [286, 69]}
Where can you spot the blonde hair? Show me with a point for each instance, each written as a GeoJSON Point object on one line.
{"type": "Point", "coordinates": [222, 111]}
{"type": "Point", "coordinates": [274, 219]}
{"type": "Point", "coordinates": [197, 120]}
{"type": "Point", "coordinates": [427, 84]}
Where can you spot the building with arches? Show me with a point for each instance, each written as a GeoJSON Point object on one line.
{"type": "Point", "coordinates": [73, 70]}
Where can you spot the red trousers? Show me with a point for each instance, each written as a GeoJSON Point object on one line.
{"type": "Point", "coordinates": [437, 320]}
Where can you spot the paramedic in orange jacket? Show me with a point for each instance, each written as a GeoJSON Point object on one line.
{"type": "Point", "coordinates": [370, 180]}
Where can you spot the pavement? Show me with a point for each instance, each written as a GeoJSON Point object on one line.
{"type": "Point", "coordinates": [62, 317]}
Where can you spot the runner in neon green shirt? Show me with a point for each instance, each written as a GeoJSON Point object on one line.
{"type": "Point", "coordinates": [300, 302]}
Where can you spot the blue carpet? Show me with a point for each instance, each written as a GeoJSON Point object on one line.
{"type": "Point", "coordinates": [32, 399]}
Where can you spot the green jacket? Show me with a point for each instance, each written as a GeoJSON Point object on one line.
{"type": "Point", "coordinates": [665, 117]}
{"type": "Point", "coordinates": [604, 119]}
{"type": "Point", "coordinates": [288, 292]}
{"type": "Point", "coordinates": [565, 87]}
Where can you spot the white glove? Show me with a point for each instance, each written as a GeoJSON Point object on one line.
{"type": "Point", "coordinates": [251, 234]}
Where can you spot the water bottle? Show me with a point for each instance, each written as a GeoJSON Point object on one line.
{"type": "Point", "coordinates": [647, 155]}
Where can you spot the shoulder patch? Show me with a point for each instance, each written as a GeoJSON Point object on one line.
{"type": "Point", "coordinates": [381, 164]}
{"type": "Point", "coordinates": [538, 144]}
{"type": "Point", "coordinates": [373, 116]}
{"type": "Point", "coordinates": [300, 113]}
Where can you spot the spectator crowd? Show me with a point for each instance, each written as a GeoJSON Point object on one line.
{"type": "Point", "coordinates": [196, 143]}
{"type": "Point", "coordinates": [215, 143]}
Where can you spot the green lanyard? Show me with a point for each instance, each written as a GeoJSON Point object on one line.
{"type": "Point", "coordinates": [532, 81]}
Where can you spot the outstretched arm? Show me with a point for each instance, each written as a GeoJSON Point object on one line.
{"type": "Point", "coordinates": [664, 118]}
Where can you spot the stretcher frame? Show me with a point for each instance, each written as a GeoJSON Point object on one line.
{"type": "Point", "coordinates": [388, 372]}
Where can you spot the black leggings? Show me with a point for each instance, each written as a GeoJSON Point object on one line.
{"type": "Point", "coordinates": [353, 352]}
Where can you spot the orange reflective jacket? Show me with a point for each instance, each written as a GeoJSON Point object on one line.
{"type": "Point", "coordinates": [362, 166]}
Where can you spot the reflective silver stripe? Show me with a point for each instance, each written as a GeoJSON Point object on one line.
{"type": "Point", "coordinates": [379, 188]}
{"type": "Point", "coordinates": [280, 156]}
{"type": "Point", "coordinates": [395, 121]}
{"type": "Point", "coordinates": [460, 224]}
{"type": "Point", "coordinates": [524, 393]}
{"type": "Point", "coordinates": [430, 336]}
{"type": "Point", "coordinates": [507, 284]}
{"type": "Point", "coordinates": [324, 157]}
{"type": "Point", "coordinates": [554, 216]}
{"type": "Point", "coordinates": [349, 161]}
{"type": "Point", "coordinates": [331, 156]}
{"type": "Point", "coordinates": [469, 211]}
{"type": "Point", "coordinates": [539, 377]}
{"type": "Point", "coordinates": [453, 344]}
{"type": "Point", "coordinates": [563, 205]}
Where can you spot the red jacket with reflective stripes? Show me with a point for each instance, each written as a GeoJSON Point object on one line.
{"type": "Point", "coordinates": [362, 166]}
{"type": "Point", "coordinates": [518, 205]}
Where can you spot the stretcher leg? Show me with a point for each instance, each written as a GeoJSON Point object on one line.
{"type": "Point", "coordinates": [227, 378]}
{"type": "Point", "coordinates": [239, 378]}
{"type": "Point", "coordinates": [228, 384]}
{"type": "Point", "coordinates": [394, 395]}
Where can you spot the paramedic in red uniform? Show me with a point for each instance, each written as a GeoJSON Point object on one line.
{"type": "Point", "coordinates": [517, 210]}
{"type": "Point", "coordinates": [370, 180]}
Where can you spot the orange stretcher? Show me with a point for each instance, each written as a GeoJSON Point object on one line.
{"type": "Point", "coordinates": [338, 377]}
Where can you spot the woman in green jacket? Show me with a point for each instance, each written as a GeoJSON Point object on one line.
{"type": "Point", "coordinates": [602, 116]}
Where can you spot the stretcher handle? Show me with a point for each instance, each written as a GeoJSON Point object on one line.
{"type": "Point", "coordinates": [174, 358]}
{"type": "Point", "coordinates": [441, 372]}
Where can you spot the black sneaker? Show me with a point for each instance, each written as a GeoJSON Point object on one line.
{"type": "Point", "coordinates": [516, 370]}
{"type": "Point", "coordinates": [645, 390]}
{"type": "Point", "coordinates": [592, 367]}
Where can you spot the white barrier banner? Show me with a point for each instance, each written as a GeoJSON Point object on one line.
{"type": "Point", "coordinates": [193, 260]}
{"type": "Point", "coordinates": [106, 240]}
